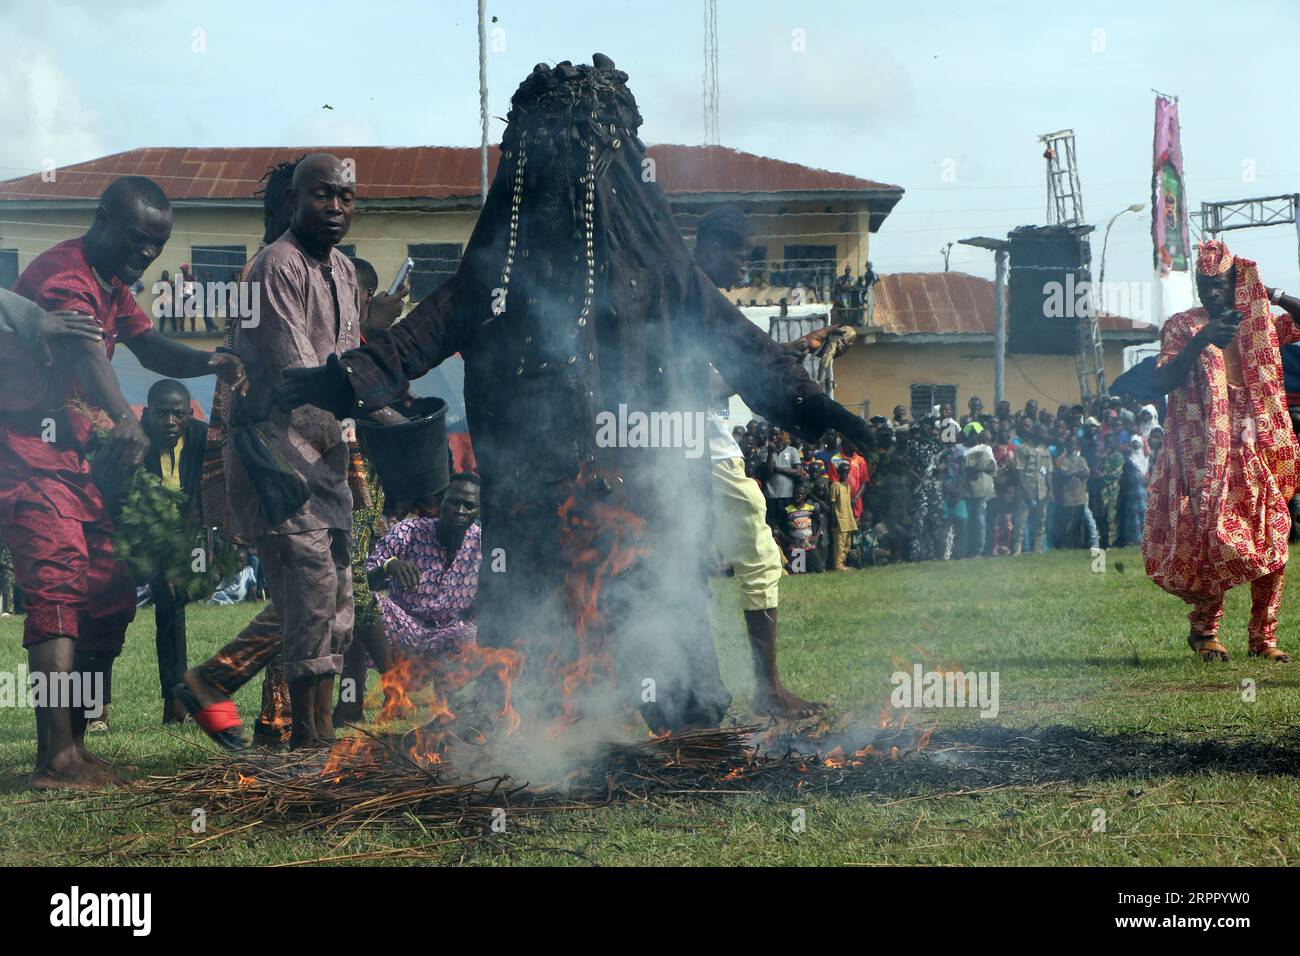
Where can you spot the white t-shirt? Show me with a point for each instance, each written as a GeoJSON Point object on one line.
{"type": "Point", "coordinates": [721, 443]}
{"type": "Point", "coordinates": [782, 486]}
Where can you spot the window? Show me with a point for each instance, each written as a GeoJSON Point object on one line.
{"type": "Point", "coordinates": [925, 397]}
{"type": "Point", "coordinates": [756, 268]}
{"type": "Point", "coordinates": [217, 263]}
{"type": "Point", "coordinates": [435, 263]}
{"type": "Point", "coordinates": [814, 266]}
{"type": "Point", "coordinates": [8, 268]}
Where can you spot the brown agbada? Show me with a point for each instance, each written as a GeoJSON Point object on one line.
{"type": "Point", "coordinates": [309, 311]}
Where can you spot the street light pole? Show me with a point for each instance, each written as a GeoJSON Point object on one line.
{"type": "Point", "coordinates": [1101, 277]}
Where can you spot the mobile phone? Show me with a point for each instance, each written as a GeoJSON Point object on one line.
{"type": "Point", "coordinates": [402, 273]}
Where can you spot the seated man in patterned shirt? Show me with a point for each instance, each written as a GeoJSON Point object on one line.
{"type": "Point", "coordinates": [429, 569]}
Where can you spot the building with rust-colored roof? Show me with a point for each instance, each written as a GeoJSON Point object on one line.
{"type": "Point", "coordinates": [929, 340]}
{"type": "Point", "coordinates": [422, 201]}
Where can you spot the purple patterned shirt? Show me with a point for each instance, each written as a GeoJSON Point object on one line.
{"type": "Point", "coordinates": [438, 616]}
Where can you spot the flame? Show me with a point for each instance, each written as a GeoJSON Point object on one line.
{"type": "Point", "coordinates": [600, 540]}
{"type": "Point", "coordinates": [394, 682]}
{"type": "Point", "coordinates": [422, 685]}
{"type": "Point", "coordinates": [835, 758]}
{"type": "Point", "coordinates": [597, 539]}
{"type": "Point", "coordinates": [348, 755]}
{"type": "Point", "coordinates": [245, 781]}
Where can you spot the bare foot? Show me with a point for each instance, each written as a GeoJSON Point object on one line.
{"type": "Point", "coordinates": [110, 770]}
{"type": "Point", "coordinates": [67, 771]}
{"type": "Point", "coordinates": [783, 705]}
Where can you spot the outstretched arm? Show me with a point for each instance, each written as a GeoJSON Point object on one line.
{"type": "Point", "coordinates": [167, 357]}
{"type": "Point", "coordinates": [377, 373]}
{"type": "Point", "coordinates": [770, 379]}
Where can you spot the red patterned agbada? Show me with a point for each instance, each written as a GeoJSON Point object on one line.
{"type": "Point", "coordinates": [1217, 515]}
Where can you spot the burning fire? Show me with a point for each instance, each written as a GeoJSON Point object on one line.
{"type": "Point", "coordinates": [600, 540]}
{"type": "Point", "coordinates": [346, 756]}
{"type": "Point", "coordinates": [409, 681]}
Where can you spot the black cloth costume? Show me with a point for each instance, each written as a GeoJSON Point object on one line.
{"type": "Point", "coordinates": [605, 548]}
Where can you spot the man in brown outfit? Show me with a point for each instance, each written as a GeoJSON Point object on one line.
{"type": "Point", "coordinates": [310, 310]}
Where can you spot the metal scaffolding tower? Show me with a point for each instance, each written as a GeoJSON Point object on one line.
{"type": "Point", "coordinates": [1217, 217]}
{"type": "Point", "coordinates": [1065, 208]}
{"type": "Point", "coordinates": [1064, 195]}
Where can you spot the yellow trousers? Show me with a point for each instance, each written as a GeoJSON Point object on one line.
{"type": "Point", "coordinates": [741, 533]}
{"type": "Point", "coordinates": [840, 541]}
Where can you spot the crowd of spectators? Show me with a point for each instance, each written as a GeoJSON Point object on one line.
{"type": "Point", "coordinates": [942, 487]}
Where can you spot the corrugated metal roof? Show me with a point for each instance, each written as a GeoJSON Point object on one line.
{"type": "Point", "coordinates": [952, 303]}
{"type": "Point", "coordinates": [411, 172]}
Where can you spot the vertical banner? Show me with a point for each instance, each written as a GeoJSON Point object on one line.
{"type": "Point", "coordinates": [1168, 199]}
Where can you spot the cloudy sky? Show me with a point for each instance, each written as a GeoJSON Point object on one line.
{"type": "Point", "coordinates": [945, 99]}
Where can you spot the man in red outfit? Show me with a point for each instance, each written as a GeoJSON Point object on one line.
{"type": "Point", "coordinates": [79, 596]}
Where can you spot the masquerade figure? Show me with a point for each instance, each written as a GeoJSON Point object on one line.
{"type": "Point", "coordinates": [1217, 514]}
{"type": "Point", "coordinates": [576, 300]}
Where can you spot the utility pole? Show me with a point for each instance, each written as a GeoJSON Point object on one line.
{"type": "Point", "coordinates": [944, 252]}
{"type": "Point", "coordinates": [712, 135]}
{"type": "Point", "coordinates": [483, 97]}
{"type": "Point", "coordinates": [1001, 253]}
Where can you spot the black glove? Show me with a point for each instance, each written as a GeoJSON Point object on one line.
{"type": "Point", "coordinates": [815, 414]}
{"type": "Point", "coordinates": [326, 386]}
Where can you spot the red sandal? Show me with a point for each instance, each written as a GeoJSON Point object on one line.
{"type": "Point", "coordinates": [219, 721]}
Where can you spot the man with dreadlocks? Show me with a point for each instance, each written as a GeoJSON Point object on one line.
{"type": "Point", "coordinates": [208, 688]}
{"type": "Point", "coordinates": [1217, 515]}
{"type": "Point", "coordinates": [576, 296]}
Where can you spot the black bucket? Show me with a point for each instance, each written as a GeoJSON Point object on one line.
{"type": "Point", "coordinates": [410, 458]}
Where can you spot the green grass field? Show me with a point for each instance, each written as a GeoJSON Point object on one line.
{"type": "Point", "coordinates": [1094, 672]}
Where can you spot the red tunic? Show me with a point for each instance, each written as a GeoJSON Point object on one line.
{"type": "Point", "coordinates": [1217, 515]}
{"type": "Point", "coordinates": [31, 392]}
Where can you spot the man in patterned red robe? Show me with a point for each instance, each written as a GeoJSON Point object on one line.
{"type": "Point", "coordinates": [1218, 514]}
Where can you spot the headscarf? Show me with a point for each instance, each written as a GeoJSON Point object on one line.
{"type": "Point", "coordinates": [1141, 461]}
{"type": "Point", "coordinates": [1214, 259]}
{"type": "Point", "coordinates": [1145, 427]}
